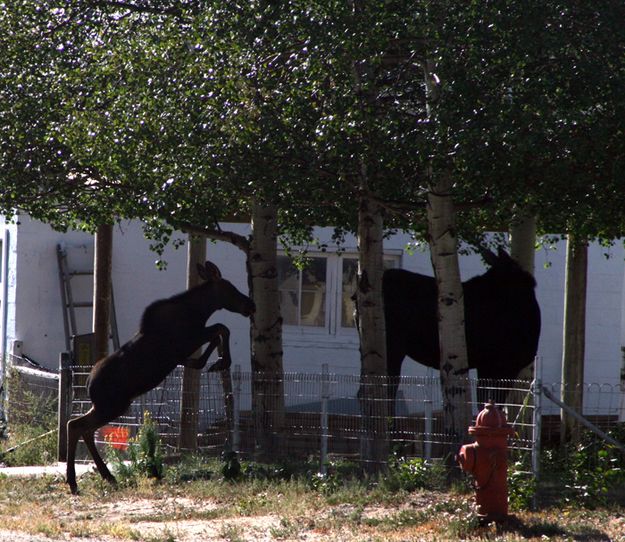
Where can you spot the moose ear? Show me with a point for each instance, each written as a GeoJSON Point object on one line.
{"type": "Point", "coordinates": [209, 271]}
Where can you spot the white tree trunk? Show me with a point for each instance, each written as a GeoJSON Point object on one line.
{"type": "Point", "coordinates": [523, 251]}
{"type": "Point", "coordinates": [267, 389]}
{"type": "Point", "coordinates": [523, 242]}
{"type": "Point", "coordinates": [369, 292]}
{"type": "Point", "coordinates": [574, 334]}
{"type": "Point", "coordinates": [452, 342]}
{"type": "Point", "coordinates": [372, 331]}
{"type": "Point", "coordinates": [190, 393]}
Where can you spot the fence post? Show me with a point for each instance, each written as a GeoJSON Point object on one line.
{"type": "Point", "coordinates": [537, 387]}
{"type": "Point", "coordinates": [236, 409]}
{"type": "Point", "coordinates": [325, 429]}
{"type": "Point", "coordinates": [65, 403]}
{"type": "Point", "coordinates": [427, 429]}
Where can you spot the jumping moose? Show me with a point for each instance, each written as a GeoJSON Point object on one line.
{"type": "Point", "coordinates": [502, 319]}
{"type": "Point", "coordinates": [170, 331]}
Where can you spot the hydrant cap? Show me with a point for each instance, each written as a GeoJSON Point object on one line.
{"type": "Point", "coordinates": [491, 417]}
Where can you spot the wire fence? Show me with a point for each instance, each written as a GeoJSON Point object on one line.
{"type": "Point", "coordinates": [315, 415]}
{"type": "Point", "coordinates": [309, 415]}
{"type": "Point", "coordinates": [603, 405]}
{"type": "Point", "coordinates": [30, 393]}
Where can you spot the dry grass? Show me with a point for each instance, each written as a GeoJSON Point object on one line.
{"type": "Point", "coordinates": [272, 510]}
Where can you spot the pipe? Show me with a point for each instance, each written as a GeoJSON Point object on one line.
{"type": "Point", "coordinates": [583, 420]}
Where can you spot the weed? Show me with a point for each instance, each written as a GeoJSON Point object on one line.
{"type": "Point", "coordinates": [231, 533]}
{"type": "Point", "coordinates": [521, 486]}
{"type": "Point", "coordinates": [590, 471]}
{"type": "Point", "coordinates": [29, 445]}
{"type": "Point", "coordinates": [400, 520]}
{"type": "Point", "coordinates": [189, 468]}
{"type": "Point", "coordinates": [143, 458]}
{"type": "Point", "coordinates": [252, 504]}
{"type": "Point", "coordinates": [287, 529]}
{"type": "Point", "coordinates": [29, 437]}
{"type": "Point", "coordinates": [338, 474]}
{"type": "Point", "coordinates": [409, 474]}
{"type": "Point", "coordinates": [231, 469]}
{"type": "Point", "coordinates": [463, 524]}
{"type": "Point", "coordinates": [165, 536]}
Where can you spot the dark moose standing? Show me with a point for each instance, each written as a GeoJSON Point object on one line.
{"type": "Point", "coordinates": [171, 330]}
{"type": "Point", "coordinates": [502, 319]}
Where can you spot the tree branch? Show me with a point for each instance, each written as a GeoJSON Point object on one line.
{"type": "Point", "coordinates": [218, 234]}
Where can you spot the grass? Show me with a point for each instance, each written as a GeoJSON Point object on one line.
{"type": "Point", "coordinates": [280, 504]}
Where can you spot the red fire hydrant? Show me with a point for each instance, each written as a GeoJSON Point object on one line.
{"type": "Point", "coordinates": [487, 460]}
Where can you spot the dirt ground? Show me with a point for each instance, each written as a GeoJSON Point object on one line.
{"type": "Point", "coordinates": [133, 514]}
{"type": "Point", "coordinates": [138, 520]}
{"type": "Point", "coordinates": [46, 512]}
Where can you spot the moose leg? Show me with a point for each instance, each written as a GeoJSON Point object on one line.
{"type": "Point", "coordinates": [73, 435]}
{"type": "Point", "coordinates": [223, 349]}
{"type": "Point", "coordinates": [215, 335]}
{"type": "Point", "coordinates": [88, 437]}
{"type": "Point", "coordinates": [76, 428]}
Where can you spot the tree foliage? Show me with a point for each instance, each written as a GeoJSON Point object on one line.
{"type": "Point", "coordinates": [183, 111]}
{"type": "Point", "coordinates": [531, 107]}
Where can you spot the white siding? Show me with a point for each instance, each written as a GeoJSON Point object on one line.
{"type": "Point", "coordinates": [34, 313]}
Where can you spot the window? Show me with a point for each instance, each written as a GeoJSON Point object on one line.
{"type": "Point", "coordinates": [349, 274]}
{"type": "Point", "coordinates": [303, 293]}
{"type": "Point", "coordinates": [318, 298]}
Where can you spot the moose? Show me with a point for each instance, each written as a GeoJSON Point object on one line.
{"type": "Point", "coordinates": [170, 331]}
{"type": "Point", "coordinates": [502, 319]}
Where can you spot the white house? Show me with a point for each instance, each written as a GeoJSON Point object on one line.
{"type": "Point", "coordinates": [321, 332]}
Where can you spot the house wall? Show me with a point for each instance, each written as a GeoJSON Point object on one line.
{"type": "Point", "coordinates": [7, 285]}
{"type": "Point", "coordinates": [35, 314]}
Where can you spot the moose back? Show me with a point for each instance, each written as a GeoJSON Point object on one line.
{"type": "Point", "coordinates": [502, 318]}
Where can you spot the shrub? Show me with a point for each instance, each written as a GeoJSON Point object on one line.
{"type": "Point", "coordinates": [29, 437]}
{"type": "Point", "coordinates": [409, 474]}
{"type": "Point", "coordinates": [143, 458]}
{"type": "Point", "coordinates": [521, 486]}
{"type": "Point", "coordinates": [590, 471]}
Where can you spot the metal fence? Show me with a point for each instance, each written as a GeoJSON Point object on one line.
{"type": "Point", "coordinates": [603, 406]}
{"type": "Point", "coordinates": [30, 393]}
{"type": "Point", "coordinates": [318, 415]}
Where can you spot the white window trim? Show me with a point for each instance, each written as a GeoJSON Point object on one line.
{"type": "Point", "coordinates": [332, 335]}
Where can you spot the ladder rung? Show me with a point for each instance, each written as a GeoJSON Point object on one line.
{"type": "Point", "coordinates": [82, 304]}
{"type": "Point", "coordinates": [74, 273]}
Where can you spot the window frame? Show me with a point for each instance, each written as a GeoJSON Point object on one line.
{"type": "Point", "coordinates": [309, 329]}
{"type": "Point", "coordinates": [333, 333]}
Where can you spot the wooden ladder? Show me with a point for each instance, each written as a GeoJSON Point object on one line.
{"type": "Point", "coordinates": [70, 305]}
